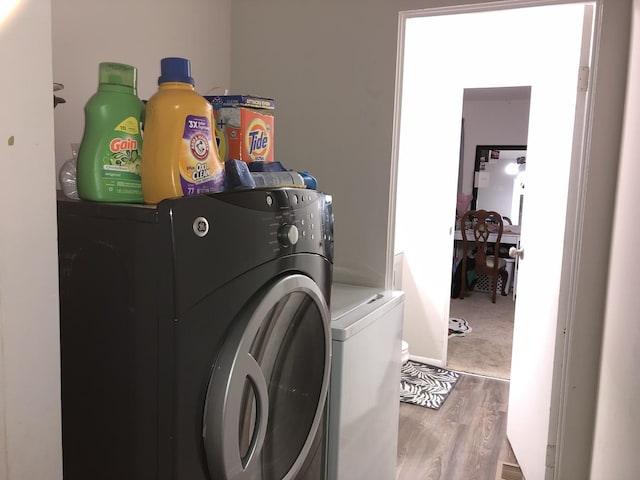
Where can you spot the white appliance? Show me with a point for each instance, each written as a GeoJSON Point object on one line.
{"type": "Point", "coordinates": [364, 397]}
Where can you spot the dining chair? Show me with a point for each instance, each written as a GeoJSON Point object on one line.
{"type": "Point", "coordinates": [478, 228]}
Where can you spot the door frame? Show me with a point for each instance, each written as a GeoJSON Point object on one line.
{"type": "Point", "coordinates": [575, 211]}
{"type": "Point", "coordinates": [573, 239]}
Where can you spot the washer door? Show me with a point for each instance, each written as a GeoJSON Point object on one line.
{"type": "Point", "coordinates": [267, 390]}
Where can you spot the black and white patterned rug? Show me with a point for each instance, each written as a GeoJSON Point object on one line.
{"type": "Point", "coordinates": [458, 327]}
{"type": "Point", "coordinates": [425, 385]}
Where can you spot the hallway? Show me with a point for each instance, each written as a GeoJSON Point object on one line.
{"type": "Point", "coordinates": [486, 350]}
{"type": "Point", "coordinates": [465, 439]}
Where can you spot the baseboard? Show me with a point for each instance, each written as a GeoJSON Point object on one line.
{"type": "Point", "coordinates": [429, 361]}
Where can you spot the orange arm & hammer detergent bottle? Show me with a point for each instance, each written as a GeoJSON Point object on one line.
{"type": "Point", "coordinates": [109, 163]}
{"type": "Point", "coordinates": [179, 149]}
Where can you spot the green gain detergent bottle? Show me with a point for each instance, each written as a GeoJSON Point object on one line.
{"type": "Point", "coordinates": [109, 159]}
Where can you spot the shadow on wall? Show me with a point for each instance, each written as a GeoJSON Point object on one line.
{"type": "Point", "coordinates": [422, 334]}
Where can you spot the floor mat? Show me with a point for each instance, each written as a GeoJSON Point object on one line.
{"type": "Point", "coordinates": [425, 385]}
{"type": "Point", "coordinates": [458, 327]}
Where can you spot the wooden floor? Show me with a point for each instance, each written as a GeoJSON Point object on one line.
{"type": "Point", "coordinates": [464, 440]}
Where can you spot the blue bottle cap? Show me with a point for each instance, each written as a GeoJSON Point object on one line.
{"type": "Point", "coordinates": [175, 69]}
{"type": "Point", "coordinates": [309, 180]}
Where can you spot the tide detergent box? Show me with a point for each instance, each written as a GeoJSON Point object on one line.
{"type": "Point", "coordinates": [244, 127]}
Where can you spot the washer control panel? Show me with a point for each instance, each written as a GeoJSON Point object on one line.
{"type": "Point", "coordinates": [303, 221]}
{"type": "Point", "coordinates": [265, 223]}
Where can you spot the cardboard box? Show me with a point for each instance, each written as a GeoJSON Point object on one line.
{"type": "Point", "coordinates": [244, 127]}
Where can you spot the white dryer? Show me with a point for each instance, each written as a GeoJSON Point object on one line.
{"type": "Point", "coordinates": [364, 398]}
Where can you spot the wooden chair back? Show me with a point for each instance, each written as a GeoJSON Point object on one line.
{"type": "Point", "coordinates": [475, 227]}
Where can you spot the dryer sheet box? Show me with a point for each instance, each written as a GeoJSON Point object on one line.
{"type": "Point", "coordinates": [244, 127]}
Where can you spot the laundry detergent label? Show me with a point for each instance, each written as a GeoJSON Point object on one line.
{"type": "Point", "coordinates": [201, 170]}
{"type": "Point", "coordinates": [258, 140]}
{"type": "Point", "coordinates": [244, 134]}
{"type": "Point", "coordinates": [121, 160]}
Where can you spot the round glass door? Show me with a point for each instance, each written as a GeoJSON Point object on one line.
{"type": "Point", "coordinates": [268, 388]}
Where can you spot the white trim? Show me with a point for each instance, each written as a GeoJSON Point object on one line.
{"type": "Point", "coordinates": [393, 172]}
{"type": "Point", "coordinates": [485, 7]}
{"type": "Point", "coordinates": [429, 361]}
{"type": "Point", "coordinates": [574, 226]}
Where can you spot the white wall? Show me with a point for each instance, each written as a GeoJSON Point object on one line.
{"type": "Point", "coordinates": [487, 122]}
{"type": "Point", "coordinates": [138, 33]}
{"type": "Point", "coordinates": [84, 33]}
{"type": "Point", "coordinates": [618, 413]}
{"type": "Point", "coordinates": [331, 67]}
{"type": "Point", "coordinates": [500, 122]}
{"type": "Point", "coordinates": [491, 122]}
{"type": "Point", "coordinates": [30, 446]}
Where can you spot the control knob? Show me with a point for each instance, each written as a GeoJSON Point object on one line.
{"type": "Point", "coordinates": [288, 235]}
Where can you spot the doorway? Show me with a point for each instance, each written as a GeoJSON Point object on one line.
{"type": "Point", "coordinates": [476, 56]}
{"type": "Point", "coordinates": [483, 49]}
{"type": "Point", "coordinates": [489, 114]}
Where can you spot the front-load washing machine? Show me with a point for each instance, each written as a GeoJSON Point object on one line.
{"type": "Point", "coordinates": [195, 336]}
